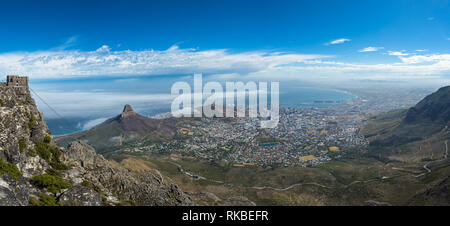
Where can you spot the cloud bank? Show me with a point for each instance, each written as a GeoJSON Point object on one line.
{"type": "Point", "coordinates": [220, 63]}
{"type": "Point", "coordinates": [105, 62]}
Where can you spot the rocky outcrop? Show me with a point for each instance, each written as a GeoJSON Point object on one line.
{"type": "Point", "coordinates": [140, 187]}
{"type": "Point", "coordinates": [80, 196]}
{"type": "Point", "coordinates": [14, 192]}
{"type": "Point", "coordinates": [128, 111]}
{"type": "Point", "coordinates": [21, 125]}
{"type": "Point", "coordinates": [34, 170]}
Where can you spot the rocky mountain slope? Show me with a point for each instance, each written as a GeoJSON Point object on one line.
{"type": "Point", "coordinates": [417, 140]}
{"type": "Point", "coordinates": [126, 128]}
{"type": "Point", "coordinates": [435, 108]}
{"type": "Point", "coordinates": [428, 118]}
{"type": "Point", "coordinates": [35, 171]}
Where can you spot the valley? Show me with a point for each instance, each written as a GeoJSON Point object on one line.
{"type": "Point", "coordinates": [347, 181]}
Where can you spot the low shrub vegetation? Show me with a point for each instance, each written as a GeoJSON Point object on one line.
{"type": "Point", "coordinates": [54, 172]}
{"type": "Point", "coordinates": [47, 139]}
{"type": "Point", "coordinates": [44, 200]}
{"type": "Point", "coordinates": [51, 154]}
{"type": "Point", "coordinates": [9, 169]}
{"type": "Point", "coordinates": [32, 121]}
{"type": "Point", "coordinates": [52, 183]}
{"type": "Point", "coordinates": [22, 144]}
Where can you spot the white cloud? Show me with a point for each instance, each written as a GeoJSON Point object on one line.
{"type": "Point", "coordinates": [397, 53]}
{"type": "Point", "coordinates": [430, 18]}
{"type": "Point", "coordinates": [370, 49]}
{"type": "Point", "coordinates": [91, 123]}
{"type": "Point", "coordinates": [103, 49]}
{"type": "Point", "coordinates": [437, 59]}
{"type": "Point", "coordinates": [338, 41]}
{"type": "Point", "coordinates": [106, 62]}
{"type": "Point", "coordinates": [426, 68]}
{"type": "Point", "coordinates": [221, 64]}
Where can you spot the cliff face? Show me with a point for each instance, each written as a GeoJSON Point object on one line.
{"type": "Point", "coordinates": [34, 170]}
{"type": "Point", "coordinates": [20, 122]}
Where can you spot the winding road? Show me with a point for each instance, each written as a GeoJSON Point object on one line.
{"type": "Point", "coordinates": [446, 149]}
{"type": "Point", "coordinates": [273, 188]}
{"type": "Point", "coordinates": [439, 160]}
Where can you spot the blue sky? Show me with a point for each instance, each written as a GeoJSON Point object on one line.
{"type": "Point", "coordinates": [58, 42]}
{"type": "Point", "coordinates": [300, 26]}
